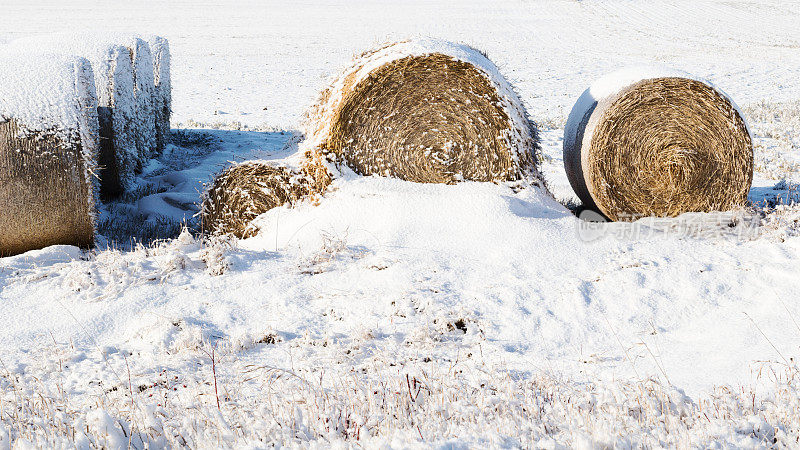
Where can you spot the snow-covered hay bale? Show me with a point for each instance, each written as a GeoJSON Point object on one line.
{"type": "Point", "coordinates": [48, 145]}
{"type": "Point", "coordinates": [113, 71]}
{"type": "Point", "coordinates": [159, 47]}
{"type": "Point", "coordinates": [246, 190]}
{"type": "Point", "coordinates": [425, 111]}
{"type": "Point", "coordinates": [145, 95]}
{"type": "Point", "coordinates": [656, 142]}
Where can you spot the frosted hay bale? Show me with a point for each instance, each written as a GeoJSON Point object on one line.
{"type": "Point", "coordinates": [48, 145]}
{"type": "Point", "coordinates": [657, 142]}
{"type": "Point", "coordinates": [244, 191]}
{"type": "Point", "coordinates": [159, 47]}
{"type": "Point", "coordinates": [112, 66]}
{"type": "Point", "coordinates": [145, 95]}
{"type": "Point", "coordinates": [426, 111]}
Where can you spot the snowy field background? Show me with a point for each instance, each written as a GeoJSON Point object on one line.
{"type": "Point", "coordinates": [414, 315]}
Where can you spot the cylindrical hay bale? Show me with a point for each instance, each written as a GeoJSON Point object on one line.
{"type": "Point", "coordinates": [116, 113]}
{"type": "Point", "coordinates": [145, 95]}
{"type": "Point", "coordinates": [656, 142]}
{"type": "Point", "coordinates": [426, 111]}
{"type": "Point", "coordinates": [113, 70]}
{"type": "Point", "coordinates": [48, 145]}
{"type": "Point", "coordinates": [159, 47]}
{"type": "Point", "coordinates": [246, 190]}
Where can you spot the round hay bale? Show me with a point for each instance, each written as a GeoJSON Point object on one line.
{"type": "Point", "coordinates": [144, 90]}
{"type": "Point", "coordinates": [48, 145]}
{"type": "Point", "coordinates": [44, 192]}
{"type": "Point", "coordinates": [427, 111]}
{"type": "Point", "coordinates": [116, 114]}
{"type": "Point", "coordinates": [113, 71]}
{"type": "Point", "coordinates": [244, 191]}
{"type": "Point", "coordinates": [159, 47]}
{"type": "Point", "coordinates": [651, 142]}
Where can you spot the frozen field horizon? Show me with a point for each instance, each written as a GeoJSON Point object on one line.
{"type": "Point", "coordinates": [411, 315]}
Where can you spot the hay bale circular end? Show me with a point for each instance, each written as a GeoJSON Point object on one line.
{"type": "Point", "coordinates": [659, 147]}
{"type": "Point", "coordinates": [244, 191]}
{"type": "Point", "coordinates": [425, 111]}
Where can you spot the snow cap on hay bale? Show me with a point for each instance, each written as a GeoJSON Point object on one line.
{"type": "Point", "coordinates": [145, 96]}
{"type": "Point", "coordinates": [657, 142]}
{"type": "Point", "coordinates": [48, 145]}
{"type": "Point", "coordinates": [246, 190]}
{"type": "Point", "coordinates": [159, 47]}
{"type": "Point", "coordinates": [113, 71]}
{"type": "Point", "coordinates": [426, 111]}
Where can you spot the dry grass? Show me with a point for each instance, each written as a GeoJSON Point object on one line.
{"type": "Point", "coordinates": [124, 227]}
{"type": "Point", "coordinates": [662, 147]}
{"type": "Point", "coordinates": [224, 403]}
{"type": "Point", "coordinates": [777, 149]}
{"type": "Point", "coordinates": [124, 231]}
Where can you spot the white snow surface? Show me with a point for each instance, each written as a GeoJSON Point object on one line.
{"type": "Point", "coordinates": [475, 288]}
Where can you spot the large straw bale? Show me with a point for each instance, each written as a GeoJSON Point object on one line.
{"type": "Point", "coordinates": [657, 143]}
{"type": "Point", "coordinates": [146, 100]}
{"type": "Point", "coordinates": [49, 140]}
{"type": "Point", "coordinates": [159, 47]}
{"type": "Point", "coordinates": [426, 111]}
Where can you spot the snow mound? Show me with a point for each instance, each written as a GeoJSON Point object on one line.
{"type": "Point", "coordinates": [396, 213]}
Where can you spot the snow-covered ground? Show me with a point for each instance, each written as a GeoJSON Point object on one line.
{"type": "Point", "coordinates": [404, 314]}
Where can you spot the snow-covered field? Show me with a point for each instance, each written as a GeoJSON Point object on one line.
{"type": "Point", "coordinates": [399, 314]}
